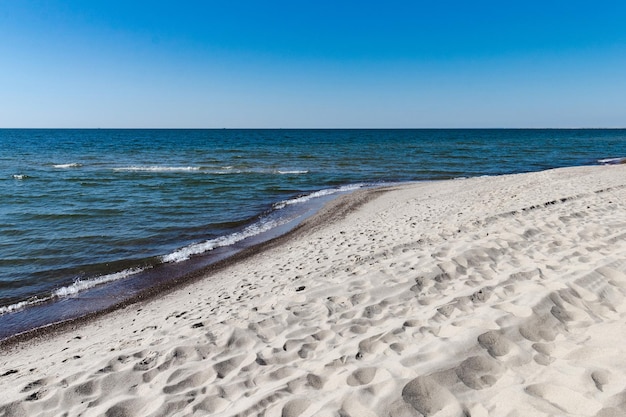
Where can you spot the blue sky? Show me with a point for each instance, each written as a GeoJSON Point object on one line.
{"type": "Point", "coordinates": [312, 64]}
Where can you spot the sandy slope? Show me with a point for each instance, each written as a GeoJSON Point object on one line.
{"type": "Point", "coordinates": [500, 296]}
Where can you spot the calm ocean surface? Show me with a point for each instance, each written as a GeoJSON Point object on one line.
{"type": "Point", "coordinates": [86, 209]}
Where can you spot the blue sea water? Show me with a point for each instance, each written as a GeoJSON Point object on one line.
{"type": "Point", "coordinates": [83, 209]}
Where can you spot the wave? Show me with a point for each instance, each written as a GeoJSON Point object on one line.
{"type": "Point", "coordinates": [226, 170]}
{"type": "Point", "coordinates": [294, 172]}
{"type": "Point", "coordinates": [157, 169]}
{"type": "Point", "coordinates": [78, 286]}
{"type": "Point", "coordinates": [19, 176]}
{"type": "Point", "coordinates": [612, 161]}
{"type": "Point", "coordinates": [22, 304]}
{"type": "Point", "coordinates": [317, 194]}
{"type": "Point", "coordinates": [65, 166]}
{"type": "Point", "coordinates": [233, 170]}
{"type": "Point", "coordinates": [81, 285]}
{"type": "Point", "coordinates": [255, 229]}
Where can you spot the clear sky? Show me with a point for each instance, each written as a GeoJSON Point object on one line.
{"type": "Point", "coordinates": [232, 63]}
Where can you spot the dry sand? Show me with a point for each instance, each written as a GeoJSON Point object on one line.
{"type": "Point", "coordinates": [496, 296]}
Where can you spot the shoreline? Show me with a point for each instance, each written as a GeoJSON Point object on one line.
{"type": "Point", "coordinates": [501, 295]}
{"type": "Point", "coordinates": [329, 212]}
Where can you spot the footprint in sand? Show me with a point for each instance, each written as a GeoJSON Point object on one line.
{"type": "Point", "coordinates": [429, 398]}
{"type": "Point", "coordinates": [361, 376]}
{"type": "Point", "coordinates": [478, 372]}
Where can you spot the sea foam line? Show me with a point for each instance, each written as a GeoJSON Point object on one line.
{"type": "Point", "coordinates": [82, 285]}
{"type": "Point", "coordinates": [231, 170]}
{"type": "Point", "coordinates": [292, 172]}
{"type": "Point", "coordinates": [78, 286]}
{"type": "Point", "coordinates": [612, 161]}
{"type": "Point", "coordinates": [187, 252]}
{"type": "Point", "coordinates": [215, 171]}
{"type": "Point", "coordinates": [65, 166]}
{"type": "Point", "coordinates": [317, 194]}
{"type": "Point", "coordinates": [157, 169]}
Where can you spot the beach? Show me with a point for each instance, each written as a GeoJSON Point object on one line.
{"type": "Point", "coordinates": [486, 296]}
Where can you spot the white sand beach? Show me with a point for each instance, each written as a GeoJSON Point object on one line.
{"type": "Point", "coordinates": [492, 296]}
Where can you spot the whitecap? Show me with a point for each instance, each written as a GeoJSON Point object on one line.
{"type": "Point", "coordinates": [157, 169]}
{"type": "Point", "coordinates": [293, 172]}
{"type": "Point", "coordinates": [228, 170]}
{"type": "Point", "coordinates": [66, 166]}
{"type": "Point", "coordinates": [612, 161]}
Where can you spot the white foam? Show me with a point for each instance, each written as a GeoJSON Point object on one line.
{"type": "Point", "coordinates": [228, 170]}
{"type": "Point", "coordinates": [22, 304]}
{"type": "Point", "coordinates": [185, 253]}
{"type": "Point", "coordinates": [19, 176]}
{"type": "Point", "coordinates": [612, 161]}
{"type": "Point", "coordinates": [294, 172]}
{"type": "Point", "coordinates": [82, 285]}
{"type": "Point", "coordinates": [78, 286]}
{"type": "Point", "coordinates": [317, 194]}
{"type": "Point", "coordinates": [157, 169]}
{"type": "Point", "coordinates": [65, 166]}
{"type": "Point", "coordinates": [233, 170]}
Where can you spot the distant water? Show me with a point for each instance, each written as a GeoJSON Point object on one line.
{"type": "Point", "coordinates": [83, 209]}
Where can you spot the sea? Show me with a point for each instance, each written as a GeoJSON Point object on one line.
{"type": "Point", "coordinates": [90, 218]}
